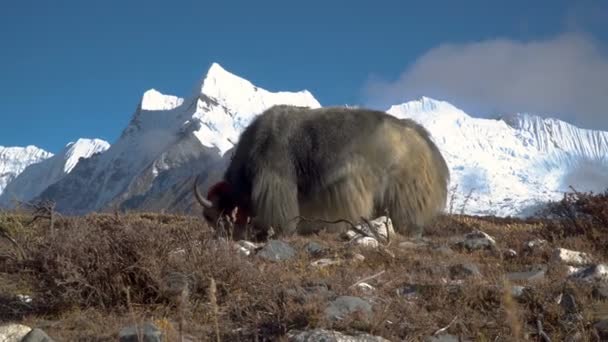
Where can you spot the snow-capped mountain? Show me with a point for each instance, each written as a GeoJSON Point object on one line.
{"type": "Point", "coordinates": [37, 177]}
{"type": "Point", "coordinates": [510, 165]}
{"type": "Point", "coordinates": [13, 160]}
{"type": "Point", "coordinates": [168, 141]}
{"type": "Point", "coordinates": [505, 166]}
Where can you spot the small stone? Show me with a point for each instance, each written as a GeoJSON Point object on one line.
{"type": "Point", "coordinates": [13, 332]}
{"type": "Point", "coordinates": [535, 274]}
{"type": "Point", "coordinates": [36, 335]}
{"type": "Point", "coordinates": [324, 335]}
{"type": "Point", "coordinates": [571, 257]}
{"type": "Point", "coordinates": [601, 291]}
{"type": "Point", "coordinates": [444, 250]}
{"type": "Point", "coordinates": [517, 291]}
{"type": "Point", "coordinates": [593, 273]}
{"type": "Point", "coordinates": [365, 287]}
{"type": "Point", "coordinates": [358, 257]}
{"type": "Point", "coordinates": [408, 291]}
{"type": "Point", "coordinates": [477, 240]}
{"type": "Point", "coordinates": [276, 250]}
{"type": "Point", "coordinates": [366, 241]}
{"type": "Point", "coordinates": [149, 333]}
{"type": "Point", "coordinates": [345, 305]}
{"type": "Point", "coordinates": [510, 253]}
{"type": "Point", "coordinates": [245, 247]}
{"type": "Point", "coordinates": [464, 270]}
{"type": "Point", "coordinates": [536, 243]}
{"type": "Point", "coordinates": [314, 248]}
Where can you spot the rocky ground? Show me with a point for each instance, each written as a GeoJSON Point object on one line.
{"type": "Point", "coordinates": [108, 277]}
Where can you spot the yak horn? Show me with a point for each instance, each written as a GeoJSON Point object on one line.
{"type": "Point", "coordinates": [203, 201]}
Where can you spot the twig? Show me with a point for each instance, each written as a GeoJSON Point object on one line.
{"type": "Point", "coordinates": [352, 225]}
{"type": "Point", "coordinates": [368, 278]}
{"type": "Point", "coordinates": [213, 299]}
{"type": "Point", "coordinates": [5, 235]}
{"type": "Point", "coordinates": [541, 332]}
{"type": "Point", "coordinates": [446, 327]}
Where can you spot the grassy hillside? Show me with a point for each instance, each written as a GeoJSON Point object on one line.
{"type": "Point", "coordinates": [88, 277]}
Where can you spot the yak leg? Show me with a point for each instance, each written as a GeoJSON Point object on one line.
{"type": "Point", "coordinates": [275, 203]}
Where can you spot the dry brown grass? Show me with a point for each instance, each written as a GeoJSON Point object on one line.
{"type": "Point", "coordinates": [79, 274]}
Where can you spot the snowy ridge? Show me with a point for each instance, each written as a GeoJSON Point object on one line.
{"type": "Point", "coordinates": [507, 168]}
{"type": "Point", "coordinates": [230, 102]}
{"type": "Point", "coordinates": [37, 177]}
{"type": "Point", "coordinates": [82, 148]}
{"type": "Point", "coordinates": [155, 100]}
{"type": "Point", "coordinates": [556, 136]}
{"type": "Point", "coordinates": [13, 160]}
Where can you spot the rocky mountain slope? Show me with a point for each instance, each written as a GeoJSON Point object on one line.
{"type": "Point", "coordinates": [38, 176]}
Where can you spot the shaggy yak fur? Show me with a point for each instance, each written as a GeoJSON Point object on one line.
{"type": "Point", "coordinates": [329, 164]}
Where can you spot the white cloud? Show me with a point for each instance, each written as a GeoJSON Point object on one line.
{"type": "Point", "coordinates": [564, 77]}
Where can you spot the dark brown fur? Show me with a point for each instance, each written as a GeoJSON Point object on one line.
{"type": "Point", "coordinates": [335, 163]}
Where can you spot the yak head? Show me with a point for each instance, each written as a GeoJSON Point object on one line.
{"type": "Point", "coordinates": [220, 203]}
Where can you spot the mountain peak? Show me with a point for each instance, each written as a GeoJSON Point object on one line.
{"type": "Point", "coordinates": [155, 100]}
{"type": "Point", "coordinates": [82, 148]}
{"type": "Point", "coordinates": [241, 95]}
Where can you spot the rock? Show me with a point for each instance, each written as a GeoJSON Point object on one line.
{"type": "Point", "coordinates": [593, 273]}
{"type": "Point", "coordinates": [25, 298]}
{"type": "Point", "coordinates": [358, 257]}
{"type": "Point", "coordinates": [315, 249]}
{"type": "Point", "coordinates": [464, 270]}
{"type": "Point", "coordinates": [36, 335]}
{"type": "Point", "coordinates": [325, 262]}
{"type": "Point", "coordinates": [534, 244]}
{"type": "Point", "coordinates": [570, 257]}
{"type": "Point", "coordinates": [366, 241]}
{"type": "Point", "coordinates": [535, 274]}
{"type": "Point", "coordinates": [509, 253]}
{"type": "Point", "coordinates": [345, 305]}
{"type": "Point", "coordinates": [365, 287]}
{"type": "Point", "coordinates": [381, 226]}
{"type": "Point", "coordinates": [602, 329]}
{"type": "Point", "coordinates": [517, 291]}
{"type": "Point", "coordinates": [175, 285]}
{"type": "Point", "coordinates": [13, 332]}
{"type": "Point", "coordinates": [149, 333]}
{"type": "Point", "coordinates": [444, 250]}
{"type": "Point", "coordinates": [245, 247]}
{"type": "Point", "coordinates": [276, 250]}
{"type": "Point", "coordinates": [600, 291]}
{"type": "Point", "coordinates": [408, 290]}
{"type": "Point", "coordinates": [477, 240]}
{"type": "Point", "coordinates": [323, 335]}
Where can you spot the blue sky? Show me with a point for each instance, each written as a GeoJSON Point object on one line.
{"type": "Point", "coordinates": [71, 69]}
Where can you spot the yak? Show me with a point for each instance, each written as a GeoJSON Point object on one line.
{"type": "Point", "coordinates": [329, 164]}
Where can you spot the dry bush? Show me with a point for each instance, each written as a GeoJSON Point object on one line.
{"type": "Point", "coordinates": [578, 214]}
